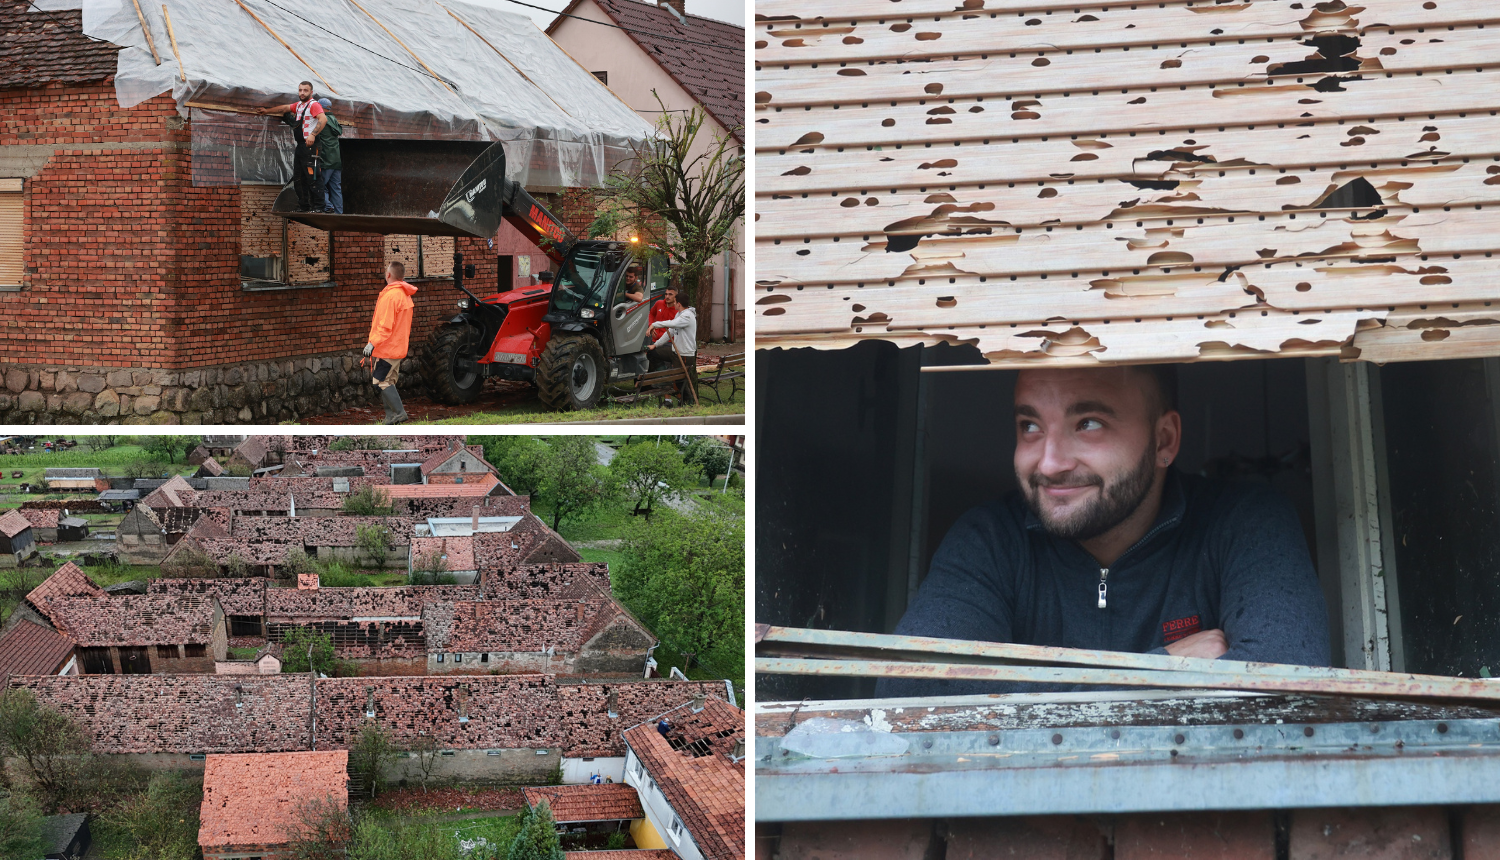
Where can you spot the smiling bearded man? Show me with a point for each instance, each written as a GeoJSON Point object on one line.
{"type": "Point", "coordinates": [1107, 547]}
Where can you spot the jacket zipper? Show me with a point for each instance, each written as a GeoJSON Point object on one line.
{"type": "Point", "coordinates": [1103, 587]}
{"type": "Point", "coordinates": [1104, 571]}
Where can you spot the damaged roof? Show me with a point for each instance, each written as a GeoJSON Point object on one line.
{"type": "Point", "coordinates": [256, 799]}
{"type": "Point", "coordinates": [238, 596]}
{"type": "Point", "coordinates": [12, 523]}
{"type": "Point", "coordinates": [582, 803]}
{"type": "Point", "coordinates": [1131, 184]}
{"type": "Point", "coordinates": [135, 620]}
{"type": "Point", "coordinates": [515, 625]}
{"type": "Point", "coordinates": [67, 581]}
{"type": "Point", "coordinates": [694, 768]}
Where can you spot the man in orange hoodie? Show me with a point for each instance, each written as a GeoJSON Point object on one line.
{"type": "Point", "coordinates": [389, 332]}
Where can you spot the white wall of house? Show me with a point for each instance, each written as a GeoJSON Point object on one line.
{"type": "Point", "coordinates": [658, 811]}
{"type": "Point", "coordinates": [578, 771]}
{"type": "Point", "coordinates": [632, 76]}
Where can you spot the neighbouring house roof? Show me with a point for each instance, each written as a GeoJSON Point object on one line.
{"type": "Point", "coordinates": [175, 492]}
{"type": "Point", "coordinates": [694, 770]}
{"type": "Point", "coordinates": [210, 468]}
{"type": "Point", "coordinates": [465, 526]}
{"type": "Point", "coordinates": [134, 620]}
{"type": "Point", "coordinates": [399, 601]}
{"type": "Point", "coordinates": [73, 523]}
{"type": "Point", "coordinates": [458, 552]}
{"type": "Point", "coordinates": [253, 451]}
{"type": "Point", "coordinates": [277, 493]}
{"type": "Point", "coordinates": [66, 581]}
{"type": "Point", "coordinates": [72, 473]}
{"type": "Point", "coordinates": [238, 596]}
{"type": "Point", "coordinates": [266, 540]}
{"type": "Point", "coordinates": [580, 803]}
{"type": "Point", "coordinates": [482, 485]}
{"type": "Point", "coordinates": [436, 461]}
{"type": "Point", "coordinates": [222, 441]}
{"type": "Point", "coordinates": [257, 799]}
{"type": "Point", "coordinates": [512, 625]}
{"type": "Point", "coordinates": [59, 831]}
{"type": "Point", "coordinates": [41, 518]}
{"type": "Point", "coordinates": [12, 523]}
{"type": "Point", "coordinates": [580, 579]}
{"type": "Point", "coordinates": [29, 648]}
{"type": "Point", "coordinates": [712, 71]}
{"type": "Point", "coordinates": [119, 495]}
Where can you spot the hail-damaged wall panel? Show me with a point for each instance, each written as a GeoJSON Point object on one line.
{"type": "Point", "coordinates": [1129, 182]}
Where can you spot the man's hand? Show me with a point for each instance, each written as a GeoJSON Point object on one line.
{"type": "Point", "coordinates": [1205, 643]}
{"type": "Point", "coordinates": [369, 348]}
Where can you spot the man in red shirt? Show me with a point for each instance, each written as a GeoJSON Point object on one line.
{"type": "Point", "coordinates": [665, 308]}
{"type": "Point", "coordinates": [307, 119]}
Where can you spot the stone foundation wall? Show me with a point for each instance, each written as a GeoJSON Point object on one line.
{"type": "Point", "coordinates": [257, 392]}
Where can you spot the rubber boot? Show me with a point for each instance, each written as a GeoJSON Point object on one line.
{"type": "Point", "coordinates": [395, 412]}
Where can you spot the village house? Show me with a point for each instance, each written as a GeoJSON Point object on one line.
{"type": "Point", "coordinates": [43, 523]}
{"type": "Point", "coordinates": [16, 539]}
{"type": "Point", "coordinates": [210, 468]}
{"type": "Point", "coordinates": [72, 479]}
{"type": "Point", "coordinates": [691, 780]}
{"type": "Point", "coordinates": [658, 50]}
{"type": "Point", "coordinates": [242, 599]}
{"type": "Point", "coordinates": [218, 448]}
{"type": "Point", "coordinates": [261, 543]}
{"type": "Point", "coordinates": [28, 648]}
{"type": "Point", "coordinates": [500, 728]}
{"type": "Point", "coordinates": [253, 803]}
{"type": "Point", "coordinates": [267, 661]}
{"type": "Point", "coordinates": [146, 534]}
{"type": "Point", "coordinates": [67, 581]}
{"type": "Point", "coordinates": [588, 808]}
{"type": "Point", "coordinates": [457, 465]}
{"type": "Point", "coordinates": [564, 637]}
{"type": "Point", "coordinates": [143, 634]}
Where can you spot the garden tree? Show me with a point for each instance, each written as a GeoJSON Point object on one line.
{"type": "Point", "coordinates": [650, 471]}
{"type": "Point", "coordinates": [538, 837]}
{"type": "Point", "coordinates": [322, 830]}
{"type": "Point", "coordinates": [51, 749]}
{"type": "Point", "coordinates": [684, 576]}
{"type": "Point", "coordinates": [426, 751]}
{"type": "Point", "coordinates": [430, 568]}
{"type": "Point", "coordinates": [294, 563]}
{"type": "Point", "coordinates": [708, 455]}
{"type": "Point", "coordinates": [169, 446]}
{"type": "Point", "coordinates": [190, 561]}
{"type": "Point", "coordinates": [100, 443]}
{"type": "Point", "coordinates": [304, 649]}
{"type": "Point", "coordinates": [373, 540]}
{"type": "Point", "coordinates": [144, 469]}
{"type": "Point", "coordinates": [681, 205]}
{"type": "Point", "coordinates": [520, 459]}
{"type": "Point", "coordinates": [15, 584]}
{"type": "Point", "coordinates": [370, 756]}
{"type": "Point", "coordinates": [236, 567]}
{"type": "Point", "coordinates": [20, 828]}
{"type": "Point", "coordinates": [368, 501]}
{"type": "Point", "coordinates": [160, 823]}
{"type": "Point", "coordinates": [572, 479]}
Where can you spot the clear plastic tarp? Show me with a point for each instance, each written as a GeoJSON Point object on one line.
{"type": "Point", "coordinates": [415, 69]}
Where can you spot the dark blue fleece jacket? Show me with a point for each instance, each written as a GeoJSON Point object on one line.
{"type": "Point", "coordinates": [1221, 555]}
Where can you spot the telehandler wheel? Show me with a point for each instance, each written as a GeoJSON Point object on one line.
{"type": "Point", "coordinates": [570, 373]}
{"type": "Point", "coordinates": [450, 345]}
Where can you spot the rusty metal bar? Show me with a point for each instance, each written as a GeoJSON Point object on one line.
{"type": "Point", "coordinates": [783, 650]}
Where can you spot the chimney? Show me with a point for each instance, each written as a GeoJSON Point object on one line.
{"type": "Point", "coordinates": [739, 749]}
{"type": "Point", "coordinates": [474, 524]}
{"type": "Point", "coordinates": [678, 7]}
{"type": "Point", "coordinates": [698, 702]}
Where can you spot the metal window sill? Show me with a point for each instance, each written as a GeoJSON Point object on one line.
{"type": "Point", "coordinates": [251, 286]}
{"type": "Point", "coordinates": [10, 288]}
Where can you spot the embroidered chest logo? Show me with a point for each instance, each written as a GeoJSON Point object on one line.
{"type": "Point", "coordinates": [1174, 630]}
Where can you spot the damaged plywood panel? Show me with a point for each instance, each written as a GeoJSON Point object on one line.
{"type": "Point", "coordinates": [1129, 183]}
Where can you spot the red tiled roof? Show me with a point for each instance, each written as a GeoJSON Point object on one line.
{"type": "Point", "coordinates": [513, 625]}
{"type": "Point", "coordinates": [458, 550]}
{"type": "Point", "coordinates": [41, 518]}
{"type": "Point", "coordinates": [701, 783]}
{"type": "Point", "coordinates": [66, 581]}
{"type": "Point", "coordinates": [714, 76]}
{"type": "Point", "coordinates": [623, 854]}
{"type": "Point", "coordinates": [39, 48]}
{"type": "Point", "coordinates": [211, 467]}
{"type": "Point", "coordinates": [575, 803]}
{"type": "Point", "coordinates": [256, 799]}
{"type": "Point", "coordinates": [238, 596]}
{"type": "Point", "coordinates": [483, 486]}
{"type": "Point", "coordinates": [137, 619]}
{"type": "Point", "coordinates": [253, 451]}
{"type": "Point", "coordinates": [12, 523]}
{"type": "Point", "coordinates": [175, 493]}
{"type": "Point", "coordinates": [31, 649]}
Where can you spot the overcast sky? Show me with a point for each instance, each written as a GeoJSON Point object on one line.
{"type": "Point", "coordinates": [732, 11]}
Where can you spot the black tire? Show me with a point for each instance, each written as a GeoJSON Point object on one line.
{"type": "Point", "coordinates": [440, 355]}
{"type": "Point", "coordinates": [571, 372]}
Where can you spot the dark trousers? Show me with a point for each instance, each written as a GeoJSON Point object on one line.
{"type": "Point", "coordinates": [306, 165]}
{"type": "Point", "coordinates": [664, 358]}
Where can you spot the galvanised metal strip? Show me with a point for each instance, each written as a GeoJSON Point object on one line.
{"type": "Point", "coordinates": [829, 769]}
{"type": "Point", "coordinates": [786, 650]}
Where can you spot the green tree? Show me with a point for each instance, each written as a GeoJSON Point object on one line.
{"type": "Point", "coordinates": [51, 748]}
{"type": "Point", "coordinates": [20, 828]}
{"type": "Point", "coordinates": [169, 446]}
{"type": "Point", "coordinates": [572, 480]}
{"type": "Point", "coordinates": [520, 459]}
{"type": "Point", "coordinates": [160, 823]}
{"type": "Point", "coordinates": [190, 561]}
{"type": "Point", "coordinates": [321, 831]}
{"type": "Point", "coordinates": [368, 501]}
{"type": "Point", "coordinates": [708, 455]}
{"type": "Point", "coordinates": [538, 837]}
{"type": "Point", "coordinates": [144, 469]}
{"type": "Point", "coordinates": [304, 649]}
{"type": "Point", "coordinates": [294, 563]}
{"type": "Point", "coordinates": [373, 539]}
{"type": "Point", "coordinates": [430, 569]}
{"type": "Point", "coordinates": [682, 199]}
{"type": "Point", "coordinates": [684, 576]}
{"type": "Point", "coordinates": [370, 757]}
{"type": "Point", "coordinates": [647, 472]}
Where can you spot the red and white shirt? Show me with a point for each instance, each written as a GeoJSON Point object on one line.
{"type": "Point", "coordinates": [307, 112]}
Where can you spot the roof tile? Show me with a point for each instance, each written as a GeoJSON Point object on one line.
{"type": "Point", "coordinates": [256, 799]}
{"type": "Point", "coordinates": [579, 803]}
{"type": "Point", "coordinates": [31, 649]}
{"type": "Point", "coordinates": [704, 786]}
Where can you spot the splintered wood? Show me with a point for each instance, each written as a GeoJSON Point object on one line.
{"type": "Point", "coordinates": [1126, 182]}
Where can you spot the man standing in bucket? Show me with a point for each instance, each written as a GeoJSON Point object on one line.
{"type": "Point", "coordinates": [307, 120]}
{"type": "Point", "coordinates": [389, 332]}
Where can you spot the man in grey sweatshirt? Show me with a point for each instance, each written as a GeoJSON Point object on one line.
{"type": "Point", "coordinates": [1106, 547]}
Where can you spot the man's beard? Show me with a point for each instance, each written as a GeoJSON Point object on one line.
{"type": "Point", "coordinates": [1116, 502]}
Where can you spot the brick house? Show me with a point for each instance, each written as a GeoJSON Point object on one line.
{"type": "Point", "coordinates": [143, 634]}
{"type": "Point", "coordinates": [689, 61]}
{"type": "Point", "coordinates": [252, 803]}
{"type": "Point", "coordinates": [455, 464]}
{"type": "Point", "coordinates": [691, 780]}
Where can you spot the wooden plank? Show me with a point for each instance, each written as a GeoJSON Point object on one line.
{"type": "Point", "coordinates": [172, 35]}
{"type": "Point", "coordinates": [404, 47]}
{"type": "Point", "coordinates": [146, 28]}
{"type": "Point", "coordinates": [1115, 112]}
{"type": "Point", "coordinates": [289, 48]}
